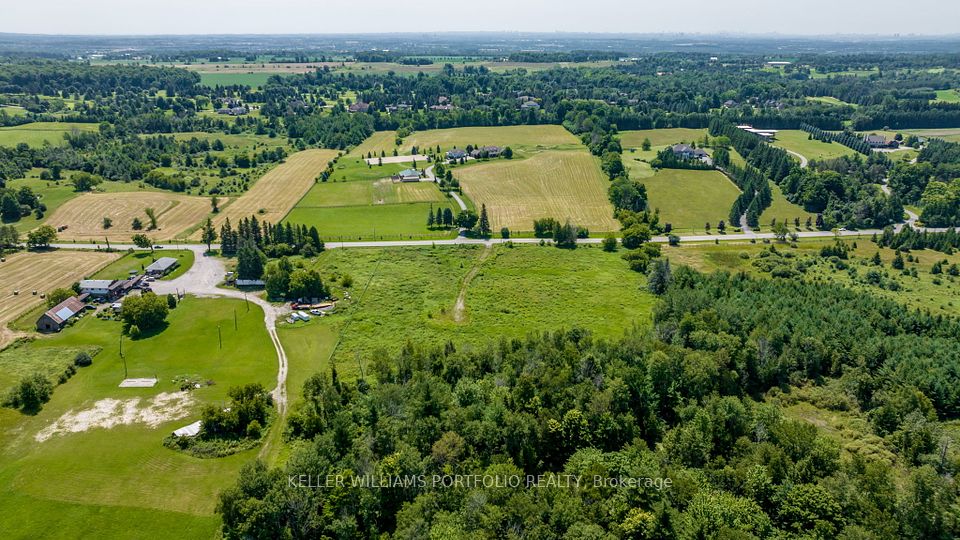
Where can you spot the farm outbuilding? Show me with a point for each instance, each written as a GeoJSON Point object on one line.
{"type": "Point", "coordinates": [54, 319]}
{"type": "Point", "coordinates": [162, 266]}
{"type": "Point", "coordinates": [409, 175]}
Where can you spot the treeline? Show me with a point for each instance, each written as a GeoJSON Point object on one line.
{"type": "Point", "coordinates": [53, 78]}
{"type": "Point", "coordinates": [683, 401]}
{"type": "Point", "coordinates": [909, 239]}
{"type": "Point", "coordinates": [755, 196]}
{"type": "Point", "coordinates": [268, 240]}
{"type": "Point", "coordinates": [847, 139]}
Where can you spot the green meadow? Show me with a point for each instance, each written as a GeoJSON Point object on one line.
{"type": "Point", "coordinates": [36, 134]}
{"type": "Point", "coordinates": [688, 200]}
{"type": "Point", "coordinates": [812, 149]}
{"type": "Point", "coordinates": [410, 295]}
{"type": "Point", "coordinates": [138, 260]}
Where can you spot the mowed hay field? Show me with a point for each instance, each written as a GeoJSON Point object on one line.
{"type": "Point", "coordinates": [279, 190]}
{"type": "Point", "coordinates": [35, 133]}
{"type": "Point", "coordinates": [83, 216]}
{"type": "Point", "coordinates": [660, 137]}
{"type": "Point", "coordinates": [563, 185]}
{"type": "Point", "coordinates": [800, 142]}
{"type": "Point", "coordinates": [516, 137]}
{"type": "Point", "coordinates": [41, 272]}
{"type": "Point", "coordinates": [688, 200]}
{"type": "Point", "coordinates": [383, 191]}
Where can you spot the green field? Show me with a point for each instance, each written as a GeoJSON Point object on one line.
{"type": "Point", "coordinates": [36, 133]}
{"type": "Point", "coordinates": [782, 209]}
{"type": "Point", "coordinates": [690, 199]}
{"type": "Point", "coordinates": [830, 100]}
{"type": "Point", "coordinates": [121, 482]}
{"type": "Point", "coordinates": [948, 96]}
{"type": "Point", "coordinates": [507, 292]}
{"type": "Point", "coordinates": [371, 222]}
{"type": "Point", "coordinates": [252, 80]}
{"type": "Point", "coordinates": [370, 193]}
{"type": "Point", "coordinates": [812, 149]}
{"type": "Point", "coordinates": [660, 137]}
{"type": "Point", "coordinates": [138, 260]}
{"type": "Point", "coordinates": [521, 139]}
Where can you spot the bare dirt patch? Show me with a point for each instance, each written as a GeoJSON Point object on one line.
{"type": "Point", "coordinates": [110, 412]}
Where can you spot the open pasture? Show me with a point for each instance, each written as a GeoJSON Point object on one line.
{"type": "Point", "coordinates": [660, 137]}
{"type": "Point", "coordinates": [688, 200]}
{"type": "Point", "coordinates": [37, 133]}
{"type": "Point", "coordinates": [120, 481]}
{"type": "Point", "coordinates": [799, 141]}
{"type": "Point", "coordinates": [83, 215]}
{"type": "Point", "coordinates": [41, 272]}
{"type": "Point", "coordinates": [384, 191]}
{"type": "Point", "coordinates": [518, 138]}
{"type": "Point", "coordinates": [274, 194]}
{"type": "Point", "coordinates": [372, 222]}
{"type": "Point", "coordinates": [563, 185]}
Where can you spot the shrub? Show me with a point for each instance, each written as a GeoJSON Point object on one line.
{"type": "Point", "coordinates": [31, 393]}
{"type": "Point", "coordinates": [610, 243]}
{"type": "Point", "coordinates": [82, 359]}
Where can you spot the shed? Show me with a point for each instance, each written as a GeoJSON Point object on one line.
{"type": "Point", "coordinates": [162, 266]}
{"type": "Point", "coordinates": [55, 318]}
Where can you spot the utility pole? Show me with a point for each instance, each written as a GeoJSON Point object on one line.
{"type": "Point", "coordinates": [123, 357]}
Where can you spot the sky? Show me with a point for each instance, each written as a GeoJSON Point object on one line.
{"type": "Point", "coordinates": [791, 17]}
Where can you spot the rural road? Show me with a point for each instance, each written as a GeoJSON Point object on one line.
{"type": "Point", "coordinates": [202, 280]}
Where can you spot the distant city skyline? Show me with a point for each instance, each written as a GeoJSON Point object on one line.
{"type": "Point", "coordinates": [808, 17]}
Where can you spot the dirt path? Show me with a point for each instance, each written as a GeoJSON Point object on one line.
{"type": "Point", "coordinates": [202, 280]}
{"type": "Point", "coordinates": [803, 159]}
{"type": "Point", "coordinates": [460, 308]}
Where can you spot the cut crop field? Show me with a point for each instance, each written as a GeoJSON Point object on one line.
{"type": "Point", "coordinates": [384, 191]}
{"type": "Point", "coordinates": [83, 215]}
{"type": "Point", "coordinates": [35, 133]}
{"type": "Point", "coordinates": [41, 272]}
{"type": "Point", "coordinates": [688, 200]}
{"type": "Point", "coordinates": [660, 137]}
{"type": "Point", "coordinates": [91, 463]}
{"type": "Point", "coordinates": [467, 295]}
{"type": "Point", "coordinates": [272, 197]}
{"type": "Point", "coordinates": [518, 138]}
{"type": "Point", "coordinates": [559, 184]}
{"type": "Point", "coordinates": [812, 149]}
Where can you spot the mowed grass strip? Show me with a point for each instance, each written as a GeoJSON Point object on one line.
{"type": "Point", "coordinates": [272, 197]}
{"type": "Point", "coordinates": [558, 184]}
{"type": "Point", "coordinates": [812, 149]}
{"type": "Point", "coordinates": [516, 137]}
{"type": "Point", "coordinates": [782, 209]}
{"type": "Point", "coordinates": [36, 133]}
{"type": "Point", "coordinates": [83, 215]}
{"type": "Point", "coordinates": [41, 272]}
{"type": "Point", "coordinates": [688, 200]}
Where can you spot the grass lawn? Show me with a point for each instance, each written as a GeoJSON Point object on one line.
{"type": "Point", "coordinates": [354, 168]}
{"type": "Point", "coordinates": [812, 149]}
{"type": "Point", "coordinates": [35, 133]}
{"type": "Point", "coordinates": [371, 222]}
{"type": "Point", "coordinates": [521, 139]}
{"type": "Point", "coordinates": [690, 199]}
{"type": "Point", "coordinates": [660, 137]}
{"type": "Point", "coordinates": [121, 479]}
{"type": "Point", "coordinates": [370, 193]}
{"type": "Point", "coordinates": [781, 209]}
{"type": "Point", "coordinates": [138, 260]}
{"type": "Point", "coordinates": [507, 292]}
{"type": "Point", "coordinates": [559, 184]}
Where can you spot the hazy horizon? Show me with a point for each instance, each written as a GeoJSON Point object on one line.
{"type": "Point", "coordinates": [811, 19]}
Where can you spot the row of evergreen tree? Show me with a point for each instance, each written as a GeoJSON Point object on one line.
{"type": "Point", "coordinates": [843, 137]}
{"type": "Point", "coordinates": [755, 196]}
{"type": "Point", "coordinates": [278, 240]}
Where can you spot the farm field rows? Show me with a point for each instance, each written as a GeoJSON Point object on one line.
{"type": "Point", "coordinates": [272, 197]}
{"type": "Point", "coordinates": [558, 184]}
{"type": "Point", "coordinates": [83, 215]}
{"type": "Point", "coordinates": [379, 192]}
{"type": "Point", "coordinates": [111, 476]}
{"type": "Point", "coordinates": [41, 272]}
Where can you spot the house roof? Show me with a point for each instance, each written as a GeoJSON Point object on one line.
{"type": "Point", "coordinates": [875, 139]}
{"type": "Point", "coordinates": [457, 152]}
{"type": "Point", "coordinates": [161, 264]}
{"type": "Point", "coordinates": [96, 283]}
{"type": "Point", "coordinates": [61, 312]}
{"type": "Point", "coordinates": [687, 149]}
{"type": "Point", "coordinates": [410, 172]}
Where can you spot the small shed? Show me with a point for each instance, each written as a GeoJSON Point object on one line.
{"type": "Point", "coordinates": [162, 266]}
